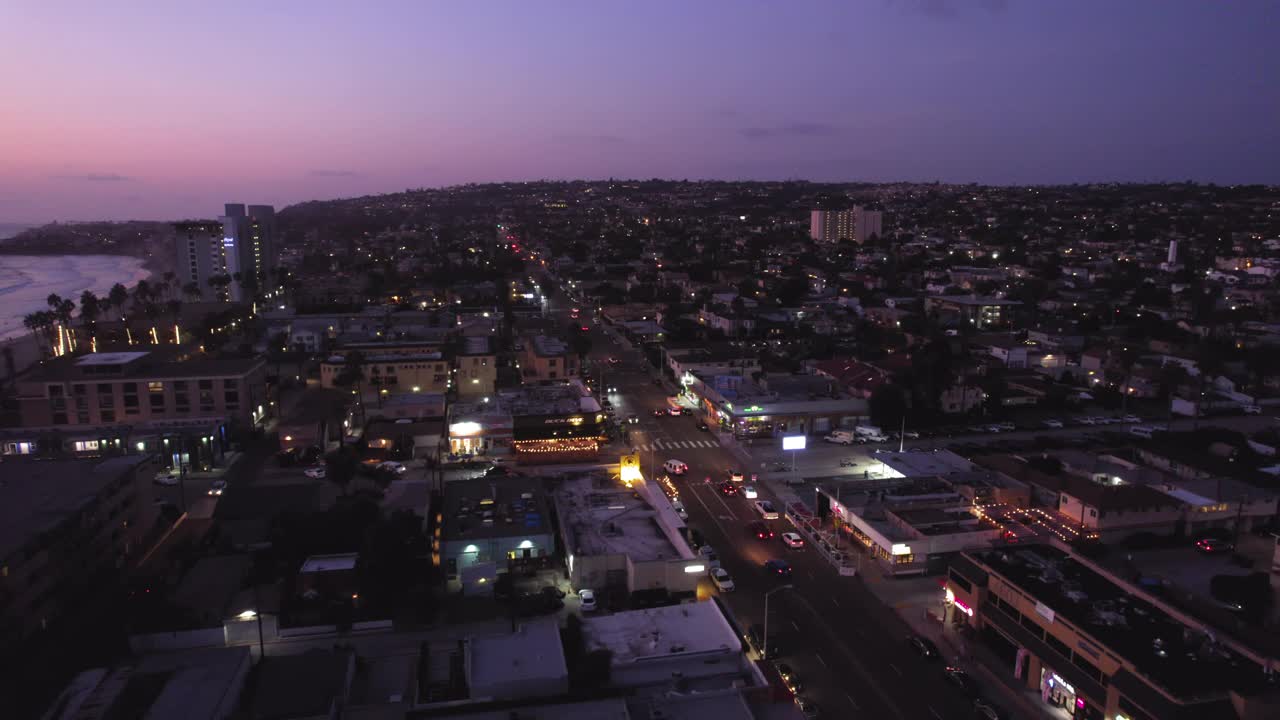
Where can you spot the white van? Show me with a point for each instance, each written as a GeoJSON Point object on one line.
{"type": "Point", "coordinates": [840, 437]}
{"type": "Point", "coordinates": [675, 467]}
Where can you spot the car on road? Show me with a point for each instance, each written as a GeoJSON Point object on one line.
{"type": "Point", "coordinates": [924, 646]}
{"type": "Point", "coordinates": [675, 467]}
{"type": "Point", "coordinates": [736, 476]}
{"type": "Point", "coordinates": [778, 567]}
{"type": "Point", "coordinates": [759, 530]}
{"type": "Point", "coordinates": [962, 680]}
{"type": "Point", "coordinates": [728, 488]}
{"type": "Point", "coordinates": [587, 598]}
{"type": "Point", "coordinates": [393, 466]}
{"type": "Point", "coordinates": [749, 492]}
{"type": "Point", "coordinates": [679, 508]}
{"type": "Point", "coordinates": [792, 540]}
{"type": "Point", "coordinates": [633, 419]}
{"type": "Point", "coordinates": [315, 472]}
{"type": "Point", "coordinates": [1131, 419]}
{"type": "Point", "coordinates": [168, 477]}
{"type": "Point", "coordinates": [1085, 420]}
{"type": "Point", "coordinates": [674, 411]}
{"type": "Point", "coordinates": [1051, 423]}
{"type": "Point", "coordinates": [703, 427]}
{"type": "Point", "coordinates": [808, 708]}
{"type": "Point", "coordinates": [1213, 545]}
{"type": "Point", "coordinates": [217, 487]}
{"type": "Point", "coordinates": [985, 710]}
{"type": "Point", "coordinates": [766, 510]}
{"type": "Point", "coordinates": [1251, 410]}
{"type": "Point", "coordinates": [659, 413]}
{"type": "Point", "coordinates": [613, 360]}
{"type": "Point", "coordinates": [722, 580]}
{"type": "Point", "coordinates": [794, 685]}
{"type": "Point", "coordinates": [784, 671]}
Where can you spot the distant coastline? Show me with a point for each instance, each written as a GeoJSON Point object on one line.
{"type": "Point", "coordinates": [10, 230]}
{"type": "Point", "coordinates": [27, 279]}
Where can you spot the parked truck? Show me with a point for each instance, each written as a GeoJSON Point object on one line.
{"type": "Point", "coordinates": [870, 433]}
{"type": "Point", "coordinates": [840, 437]}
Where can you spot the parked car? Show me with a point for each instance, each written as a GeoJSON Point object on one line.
{"type": "Point", "coordinates": [217, 487]}
{"type": "Point", "coordinates": [755, 639]}
{"type": "Point", "coordinates": [674, 411]}
{"type": "Point", "coordinates": [924, 646]}
{"type": "Point", "coordinates": [1051, 423]}
{"type": "Point", "coordinates": [1131, 419]}
{"type": "Point", "coordinates": [808, 708]}
{"type": "Point", "coordinates": [168, 477]}
{"type": "Point", "coordinates": [679, 508]}
{"type": "Point", "coordinates": [792, 540]}
{"type": "Point", "coordinates": [587, 598]}
{"type": "Point", "coordinates": [703, 427]}
{"type": "Point", "coordinates": [722, 580]}
{"type": "Point", "coordinates": [392, 466]}
{"type": "Point", "coordinates": [708, 554]}
{"type": "Point", "coordinates": [1251, 410]}
{"type": "Point", "coordinates": [984, 709]}
{"type": "Point", "coordinates": [659, 413]}
{"type": "Point", "coordinates": [784, 671]}
{"type": "Point", "coordinates": [315, 472]}
{"type": "Point", "coordinates": [749, 492]}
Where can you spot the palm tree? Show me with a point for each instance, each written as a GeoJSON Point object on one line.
{"type": "Point", "coordinates": [117, 297]}
{"type": "Point", "coordinates": [90, 310]}
{"type": "Point", "coordinates": [191, 291]}
{"type": "Point", "coordinates": [170, 280]}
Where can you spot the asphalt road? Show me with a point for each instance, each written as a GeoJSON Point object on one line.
{"type": "Point", "coordinates": [848, 648]}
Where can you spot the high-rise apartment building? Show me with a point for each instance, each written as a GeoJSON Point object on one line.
{"type": "Point", "coordinates": [200, 258]}
{"type": "Point", "coordinates": [856, 223]}
{"type": "Point", "coordinates": [248, 239]}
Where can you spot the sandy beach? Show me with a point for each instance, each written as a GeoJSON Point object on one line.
{"type": "Point", "coordinates": [26, 280]}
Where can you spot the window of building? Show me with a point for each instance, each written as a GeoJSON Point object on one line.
{"type": "Point", "coordinates": [82, 417]}
{"type": "Point", "coordinates": [206, 384]}
{"type": "Point", "coordinates": [231, 397]}
{"type": "Point", "coordinates": [56, 391]}
{"type": "Point", "coordinates": [1089, 668]}
{"type": "Point", "coordinates": [80, 389]}
{"type": "Point", "coordinates": [108, 416]}
{"type": "Point", "coordinates": [86, 445]}
{"type": "Point", "coordinates": [60, 418]}
{"type": "Point", "coordinates": [155, 386]}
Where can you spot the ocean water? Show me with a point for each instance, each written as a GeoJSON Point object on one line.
{"type": "Point", "coordinates": [27, 280]}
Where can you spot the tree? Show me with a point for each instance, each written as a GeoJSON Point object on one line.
{"type": "Point", "coordinates": [118, 296]}
{"type": "Point", "coordinates": [887, 406]}
{"type": "Point", "coordinates": [340, 467]}
{"type": "Point", "coordinates": [191, 291]}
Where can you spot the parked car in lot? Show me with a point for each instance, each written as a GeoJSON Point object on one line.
{"type": "Point", "coordinates": [587, 598]}
{"type": "Point", "coordinates": [792, 540]}
{"type": "Point", "coordinates": [722, 580]}
{"type": "Point", "coordinates": [674, 411]}
{"type": "Point", "coordinates": [1251, 410]}
{"type": "Point", "coordinates": [168, 477]}
{"type": "Point", "coordinates": [755, 639]}
{"type": "Point", "coordinates": [1213, 545]}
{"type": "Point", "coordinates": [679, 508]}
{"type": "Point", "coordinates": [766, 510]}
{"type": "Point", "coordinates": [392, 466]}
{"type": "Point", "coordinates": [708, 554]}
{"type": "Point", "coordinates": [315, 472]}
{"type": "Point", "coordinates": [808, 708]}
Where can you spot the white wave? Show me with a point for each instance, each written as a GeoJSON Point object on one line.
{"type": "Point", "coordinates": [27, 280]}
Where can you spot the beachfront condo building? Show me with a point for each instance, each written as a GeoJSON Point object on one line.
{"type": "Point", "coordinates": [248, 239]}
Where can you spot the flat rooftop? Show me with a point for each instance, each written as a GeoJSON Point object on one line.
{"type": "Point", "coordinates": [505, 506]}
{"type": "Point", "coordinates": [936, 462]}
{"type": "Point", "coordinates": [604, 518]}
{"type": "Point", "coordinates": [330, 563]}
{"type": "Point", "coordinates": [477, 345]}
{"type": "Point", "coordinates": [532, 653]}
{"type": "Point", "coordinates": [609, 709]}
{"type": "Point", "coordinates": [548, 346]}
{"type": "Point", "coordinates": [153, 365]}
{"type": "Point", "coordinates": [1185, 662]}
{"type": "Point", "coordinates": [563, 399]}
{"type": "Point", "coordinates": [110, 358]}
{"type": "Point", "coordinates": [38, 495]}
{"type": "Point", "coordinates": [661, 632]}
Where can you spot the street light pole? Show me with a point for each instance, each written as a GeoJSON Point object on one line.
{"type": "Point", "coordinates": [765, 647]}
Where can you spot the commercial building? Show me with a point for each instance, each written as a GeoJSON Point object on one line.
{"type": "Point", "coordinates": [1099, 647]}
{"type": "Point", "coordinates": [554, 423]}
{"type": "Point", "coordinates": [546, 358]}
{"type": "Point", "coordinates": [200, 258]}
{"type": "Point", "coordinates": [477, 366]}
{"type": "Point", "coordinates": [526, 664]}
{"type": "Point", "coordinates": [977, 312]}
{"type": "Point", "coordinates": [690, 641]}
{"type": "Point", "coordinates": [145, 401]}
{"type": "Point", "coordinates": [856, 223]}
{"type": "Point", "coordinates": [65, 526]}
{"type": "Point", "coordinates": [625, 539]}
{"type": "Point", "coordinates": [249, 239]}
{"type": "Point", "coordinates": [197, 684]}
{"type": "Point", "coordinates": [479, 427]}
{"type": "Point", "coordinates": [493, 525]}
{"type": "Point", "coordinates": [776, 404]}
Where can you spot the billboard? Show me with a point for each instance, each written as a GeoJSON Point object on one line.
{"type": "Point", "coordinates": [793, 442]}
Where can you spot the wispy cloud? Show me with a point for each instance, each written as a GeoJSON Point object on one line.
{"type": "Point", "coordinates": [333, 173]}
{"type": "Point", "coordinates": [948, 9]}
{"type": "Point", "coordinates": [788, 130]}
{"type": "Point", "coordinates": [96, 177]}
{"type": "Point", "coordinates": [591, 139]}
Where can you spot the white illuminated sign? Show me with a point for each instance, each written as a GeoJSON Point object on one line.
{"type": "Point", "coordinates": [793, 442]}
{"type": "Point", "coordinates": [900, 549]}
{"type": "Point", "coordinates": [463, 429]}
{"type": "Point", "coordinates": [694, 568]}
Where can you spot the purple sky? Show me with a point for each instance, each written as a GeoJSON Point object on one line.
{"type": "Point", "coordinates": [145, 110]}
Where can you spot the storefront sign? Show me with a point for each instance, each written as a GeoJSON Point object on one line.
{"type": "Point", "coordinates": [793, 442]}
{"type": "Point", "coordinates": [1044, 611]}
{"type": "Point", "coordinates": [962, 607]}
